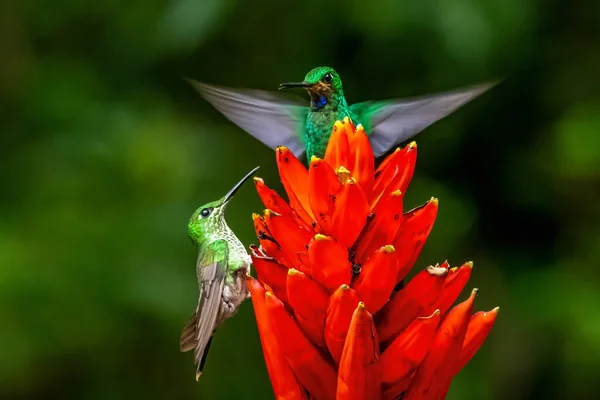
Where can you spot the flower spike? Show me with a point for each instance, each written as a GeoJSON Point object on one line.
{"type": "Point", "coordinates": [332, 321]}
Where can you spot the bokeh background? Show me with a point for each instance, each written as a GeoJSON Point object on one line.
{"type": "Point", "coordinates": [105, 152]}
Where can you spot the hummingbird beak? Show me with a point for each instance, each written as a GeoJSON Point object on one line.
{"type": "Point", "coordinates": [291, 85]}
{"type": "Point", "coordinates": [234, 189]}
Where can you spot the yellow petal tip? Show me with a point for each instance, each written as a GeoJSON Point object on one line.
{"type": "Point", "coordinates": [320, 237]}
{"type": "Point", "coordinates": [293, 271]}
{"type": "Point", "coordinates": [361, 305]}
{"type": "Point", "coordinates": [396, 193]}
{"type": "Point", "coordinates": [258, 179]}
{"type": "Point", "coordinates": [343, 174]}
{"type": "Point", "coordinates": [469, 264]}
{"type": "Point", "coordinates": [314, 159]}
{"type": "Point", "coordinates": [434, 201]}
{"type": "Point", "coordinates": [412, 145]}
{"type": "Point", "coordinates": [388, 249]}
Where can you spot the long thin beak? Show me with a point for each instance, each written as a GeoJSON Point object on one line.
{"type": "Point", "coordinates": [234, 189]}
{"type": "Point", "coordinates": [291, 85]}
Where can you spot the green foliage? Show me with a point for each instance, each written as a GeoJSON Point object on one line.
{"type": "Point", "coordinates": [105, 152]}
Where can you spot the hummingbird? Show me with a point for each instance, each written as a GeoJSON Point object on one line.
{"type": "Point", "coordinates": [221, 268]}
{"type": "Point", "coordinates": [278, 121]}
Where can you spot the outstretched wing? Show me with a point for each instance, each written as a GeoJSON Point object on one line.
{"type": "Point", "coordinates": [391, 122]}
{"type": "Point", "coordinates": [197, 334]}
{"type": "Point", "coordinates": [270, 118]}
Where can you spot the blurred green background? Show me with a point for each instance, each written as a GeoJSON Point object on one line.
{"type": "Point", "coordinates": [105, 152]}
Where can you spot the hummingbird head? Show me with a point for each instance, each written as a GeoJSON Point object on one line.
{"type": "Point", "coordinates": [323, 84]}
{"type": "Point", "coordinates": [207, 224]}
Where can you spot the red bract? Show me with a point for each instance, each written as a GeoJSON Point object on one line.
{"type": "Point", "coordinates": [331, 324]}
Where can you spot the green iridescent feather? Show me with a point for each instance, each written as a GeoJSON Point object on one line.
{"type": "Point", "coordinates": [279, 121]}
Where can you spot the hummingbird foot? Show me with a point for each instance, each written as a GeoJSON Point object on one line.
{"type": "Point", "coordinates": [228, 308]}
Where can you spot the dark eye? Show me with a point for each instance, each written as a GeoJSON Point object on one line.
{"type": "Point", "coordinates": [206, 212]}
{"type": "Point", "coordinates": [327, 78]}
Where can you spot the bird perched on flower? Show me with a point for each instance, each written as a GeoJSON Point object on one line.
{"type": "Point", "coordinates": [222, 266]}
{"type": "Point", "coordinates": [277, 121]}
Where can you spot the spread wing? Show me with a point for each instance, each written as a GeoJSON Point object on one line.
{"type": "Point", "coordinates": [273, 119]}
{"type": "Point", "coordinates": [197, 334]}
{"type": "Point", "coordinates": [391, 122]}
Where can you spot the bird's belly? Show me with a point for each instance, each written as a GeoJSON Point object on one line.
{"type": "Point", "coordinates": [234, 293]}
{"type": "Point", "coordinates": [318, 131]}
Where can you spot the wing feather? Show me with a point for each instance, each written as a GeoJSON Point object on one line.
{"type": "Point", "coordinates": [197, 334]}
{"type": "Point", "coordinates": [272, 119]}
{"type": "Point", "coordinates": [392, 122]}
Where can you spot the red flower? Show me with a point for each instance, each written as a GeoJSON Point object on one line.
{"type": "Point", "coordinates": [330, 322]}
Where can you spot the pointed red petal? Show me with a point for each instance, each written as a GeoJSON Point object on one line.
{"type": "Point", "coordinates": [342, 304]}
{"type": "Point", "coordinates": [431, 289]}
{"type": "Point", "coordinates": [358, 376]}
{"type": "Point", "coordinates": [479, 327]}
{"type": "Point", "coordinates": [271, 273]}
{"type": "Point", "coordinates": [396, 173]}
{"type": "Point", "coordinates": [292, 239]}
{"type": "Point", "coordinates": [362, 162]}
{"type": "Point", "coordinates": [338, 149]}
{"type": "Point", "coordinates": [294, 177]}
{"type": "Point", "coordinates": [268, 244]}
{"type": "Point", "coordinates": [453, 284]}
{"type": "Point", "coordinates": [273, 201]}
{"type": "Point", "coordinates": [377, 278]}
{"type": "Point", "coordinates": [435, 373]}
{"type": "Point", "coordinates": [350, 213]}
{"type": "Point", "coordinates": [329, 262]}
{"type": "Point", "coordinates": [309, 301]}
{"type": "Point", "coordinates": [400, 361]}
{"type": "Point", "coordinates": [310, 368]}
{"type": "Point", "coordinates": [386, 162]}
{"type": "Point", "coordinates": [412, 235]}
{"type": "Point", "coordinates": [404, 355]}
{"type": "Point", "coordinates": [324, 184]}
{"type": "Point", "coordinates": [409, 302]}
{"type": "Point", "coordinates": [382, 228]}
{"type": "Point", "coordinates": [285, 385]}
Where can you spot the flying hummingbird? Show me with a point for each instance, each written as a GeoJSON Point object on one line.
{"type": "Point", "coordinates": [276, 121]}
{"type": "Point", "coordinates": [221, 268]}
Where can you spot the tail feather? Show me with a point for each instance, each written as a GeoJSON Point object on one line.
{"type": "Point", "coordinates": [187, 341]}
{"type": "Point", "coordinates": [203, 359]}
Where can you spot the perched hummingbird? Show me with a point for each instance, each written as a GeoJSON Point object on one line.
{"type": "Point", "coordinates": [221, 268]}
{"type": "Point", "coordinates": [276, 121]}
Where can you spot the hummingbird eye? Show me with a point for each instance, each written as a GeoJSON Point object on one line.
{"type": "Point", "coordinates": [327, 78]}
{"type": "Point", "coordinates": [206, 212]}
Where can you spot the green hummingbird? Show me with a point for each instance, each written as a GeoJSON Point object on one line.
{"type": "Point", "coordinates": [221, 268]}
{"type": "Point", "coordinates": [275, 120]}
